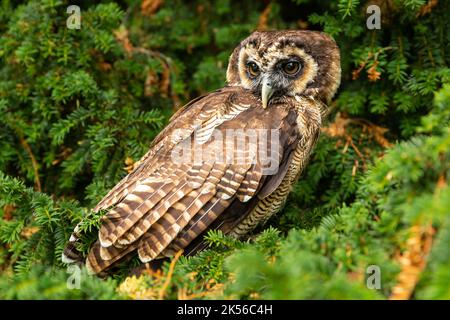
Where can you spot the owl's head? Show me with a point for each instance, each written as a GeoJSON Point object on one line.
{"type": "Point", "coordinates": [274, 64]}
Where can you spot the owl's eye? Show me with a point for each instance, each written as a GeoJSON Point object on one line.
{"type": "Point", "coordinates": [253, 69]}
{"type": "Point", "coordinates": [291, 67]}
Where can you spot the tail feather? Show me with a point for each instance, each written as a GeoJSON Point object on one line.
{"type": "Point", "coordinates": [71, 253]}
{"type": "Point", "coordinates": [95, 262]}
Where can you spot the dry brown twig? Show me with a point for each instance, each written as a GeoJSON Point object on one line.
{"type": "Point", "coordinates": [372, 73]}
{"type": "Point", "coordinates": [427, 8]}
{"type": "Point", "coordinates": [8, 212]}
{"type": "Point", "coordinates": [413, 261]}
{"type": "Point", "coordinates": [122, 35]}
{"type": "Point", "coordinates": [162, 292]}
{"type": "Point", "coordinates": [34, 163]}
{"type": "Point", "coordinates": [338, 129]}
{"type": "Point", "coordinates": [149, 7]}
{"type": "Point", "coordinates": [264, 18]}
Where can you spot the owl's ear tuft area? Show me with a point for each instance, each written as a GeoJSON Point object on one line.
{"type": "Point", "coordinates": [233, 78]}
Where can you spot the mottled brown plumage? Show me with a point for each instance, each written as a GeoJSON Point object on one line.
{"type": "Point", "coordinates": [279, 83]}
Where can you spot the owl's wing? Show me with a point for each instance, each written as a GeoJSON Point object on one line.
{"type": "Point", "coordinates": [169, 200]}
{"type": "Point", "coordinates": [179, 120]}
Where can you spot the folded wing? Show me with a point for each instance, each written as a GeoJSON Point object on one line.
{"type": "Point", "coordinates": [168, 201]}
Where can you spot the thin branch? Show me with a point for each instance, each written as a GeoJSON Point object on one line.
{"type": "Point", "coordinates": [123, 37]}
{"type": "Point", "coordinates": [162, 292]}
{"type": "Point", "coordinates": [34, 163]}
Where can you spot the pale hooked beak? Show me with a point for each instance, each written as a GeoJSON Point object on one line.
{"type": "Point", "coordinates": [266, 92]}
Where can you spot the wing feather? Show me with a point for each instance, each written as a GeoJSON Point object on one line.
{"type": "Point", "coordinates": [147, 220]}
{"type": "Point", "coordinates": [197, 225]}
{"type": "Point", "coordinates": [167, 228]}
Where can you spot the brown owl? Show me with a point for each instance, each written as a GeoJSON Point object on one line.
{"type": "Point", "coordinates": [227, 160]}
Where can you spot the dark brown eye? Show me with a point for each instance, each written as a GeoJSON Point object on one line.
{"type": "Point", "coordinates": [253, 69]}
{"type": "Point", "coordinates": [291, 67]}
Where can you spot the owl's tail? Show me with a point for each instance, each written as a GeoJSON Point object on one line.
{"type": "Point", "coordinates": [71, 254]}
{"type": "Point", "coordinates": [93, 262]}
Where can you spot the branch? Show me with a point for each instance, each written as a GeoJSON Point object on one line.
{"type": "Point", "coordinates": [162, 292]}
{"type": "Point", "coordinates": [34, 163]}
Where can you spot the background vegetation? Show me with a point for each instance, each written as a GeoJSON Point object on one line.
{"type": "Point", "coordinates": [78, 107]}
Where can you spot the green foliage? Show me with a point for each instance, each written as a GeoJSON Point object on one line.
{"type": "Point", "coordinates": [40, 228]}
{"type": "Point", "coordinates": [58, 93]}
{"type": "Point", "coordinates": [52, 284]}
{"type": "Point", "coordinates": [76, 104]}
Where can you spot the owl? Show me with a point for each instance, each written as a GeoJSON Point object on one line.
{"type": "Point", "coordinates": [227, 160]}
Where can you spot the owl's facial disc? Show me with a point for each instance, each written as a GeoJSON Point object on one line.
{"type": "Point", "coordinates": [276, 72]}
{"type": "Point", "coordinates": [275, 65]}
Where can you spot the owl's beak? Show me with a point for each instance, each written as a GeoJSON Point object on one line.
{"type": "Point", "coordinates": [266, 92]}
